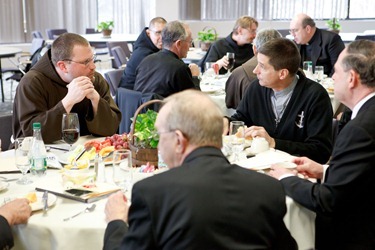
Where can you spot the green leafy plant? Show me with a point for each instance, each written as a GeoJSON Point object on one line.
{"type": "Point", "coordinates": [334, 24]}
{"type": "Point", "coordinates": [207, 35]}
{"type": "Point", "coordinates": [145, 133]}
{"type": "Point", "coordinates": [108, 25]}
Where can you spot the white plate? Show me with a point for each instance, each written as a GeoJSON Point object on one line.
{"type": "Point", "coordinates": [209, 89]}
{"type": "Point", "coordinates": [3, 185]}
{"type": "Point", "coordinates": [38, 205]}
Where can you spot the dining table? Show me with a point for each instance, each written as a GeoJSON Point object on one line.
{"type": "Point", "coordinates": [86, 231]}
{"type": "Point", "coordinates": [6, 52]}
{"type": "Point", "coordinates": [214, 86]}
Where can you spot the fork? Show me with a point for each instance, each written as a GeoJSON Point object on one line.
{"type": "Point", "coordinates": [86, 210]}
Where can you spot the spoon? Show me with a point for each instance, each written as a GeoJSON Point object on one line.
{"type": "Point", "coordinates": [86, 210]}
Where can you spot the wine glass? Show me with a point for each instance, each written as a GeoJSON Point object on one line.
{"type": "Point", "coordinates": [230, 65]}
{"type": "Point", "coordinates": [123, 169]}
{"type": "Point", "coordinates": [70, 128]}
{"type": "Point", "coordinates": [237, 138]}
{"type": "Point", "coordinates": [23, 161]}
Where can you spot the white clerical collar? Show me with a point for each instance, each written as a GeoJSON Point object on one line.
{"type": "Point", "coordinates": [358, 106]}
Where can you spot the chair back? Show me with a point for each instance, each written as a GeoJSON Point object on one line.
{"type": "Point", "coordinates": [91, 31]}
{"type": "Point", "coordinates": [119, 56]}
{"type": "Point", "coordinates": [53, 33]}
{"type": "Point", "coordinates": [5, 131]}
{"type": "Point", "coordinates": [123, 45]}
{"type": "Point", "coordinates": [128, 102]}
{"type": "Point", "coordinates": [113, 78]}
{"type": "Point", "coordinates": [36, 34]}
{"type": "Point", "coordinates": [365, 37]}
{"type": "Point", "coordinates": [36, 44]}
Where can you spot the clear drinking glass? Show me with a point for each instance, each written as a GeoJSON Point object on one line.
{"type": "Point", "coordinates": [319, 73]}
{"type": "Point", "coordinates": [123, 169]}
{"type": "Point", "coordinates": [237, 138]}
{"type": "Point", "coordinates": [307, 69]}
{"type": "Point", "coordinates": [70, 128]}
{"type": "Point", "coordinates": [23, 162]}
{"type": "Point", "coordinates": [231, 61]}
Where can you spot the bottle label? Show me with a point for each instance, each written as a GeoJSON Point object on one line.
{"type": "Point", "coordinates": [38, 166]}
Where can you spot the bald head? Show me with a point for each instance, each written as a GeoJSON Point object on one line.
{"type": "Point", "coordinates": [183, 111]}
{"type": "Point", "coordinates": [302, 27]}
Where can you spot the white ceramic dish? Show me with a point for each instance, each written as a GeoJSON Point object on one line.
{"type": "Point", "coordinates": [3, 185]}
{"type": "Point", "coordinates": [38, 205]}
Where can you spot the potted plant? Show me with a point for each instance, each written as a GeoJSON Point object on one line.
{"type": "Point", "coordinates": [106, 28]}
{"type": "Point", "coordinates": [143, 136]}
{"type": "Point", "coordinates": [206, 37]}
{"type": "Point", "coordinates": [334, 25]}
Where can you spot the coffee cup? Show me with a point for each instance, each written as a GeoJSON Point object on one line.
{"type": "Point", "coordinates": [258, 145]}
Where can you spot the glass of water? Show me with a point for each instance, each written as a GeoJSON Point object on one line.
{"type": "Point", "coordinates": [23, 161]}
{"type": "Point", "coordinates": [237, 138]}
{"type": "Point", "coordinates": [123, 169]}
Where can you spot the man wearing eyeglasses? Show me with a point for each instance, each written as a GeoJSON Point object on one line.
{"type": "Point", "coordinates": [322, 47]}
{"type": "Point", "coordinates": [203, 201]}
{"type": "Point", "coordinates": [238, 41]}
{"type": "Point", "coordinates": [64, 80]}
{"type": "Point", "coordinates": [148, 42]}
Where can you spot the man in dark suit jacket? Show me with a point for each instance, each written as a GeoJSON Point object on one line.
{"type": "Point", "coordinates": [202, 202]}
{"type": "Point", "coordinates": [344, 201]}
{"type": "Point", "coordinates": [164, 73]}
{"type": "Point", "coordinates": [12, 213]}
{"type": "Point", "coordinates": [322, 47]}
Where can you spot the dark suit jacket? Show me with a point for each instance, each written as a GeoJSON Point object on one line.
{"type": "Point", "coordinates": [6, 237]}
{"type": "Point", "coordinates": [238, 81]}
{"type": "Point", "coordinates": [206, 203]}
{"type": "Point", "coordinates": [345, 202]}
{"type": "Point", "coordinates": [326, 48]}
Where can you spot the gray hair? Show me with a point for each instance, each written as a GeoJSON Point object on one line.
{"type": "Point", "coordinates": [172, 32]}
{"type": "Point", "coordinates": [264, 36]}
{"type": "Point", "coordinates": [361, 58]}
{"type": "Point", "coordinates": [201, 128]}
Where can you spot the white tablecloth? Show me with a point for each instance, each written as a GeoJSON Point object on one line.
{"type": "Point", "coordinates": [87, 230]}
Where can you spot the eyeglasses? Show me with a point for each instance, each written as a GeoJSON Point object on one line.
{"type": "Point", "coordinates": [291, 31]}
{"type": "Point", "coordinates": [86, 62]}
{"type": "Point", "coordinates": [157, 33]}
{"type": "Point", "coordinates": [253, 32]}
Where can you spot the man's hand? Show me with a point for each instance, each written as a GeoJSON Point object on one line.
{"type": "Point", "coordinates": [225, 126]}
{"type": "Point", "coordinates": [255, 131]}
{"type": "Point", "coordinates": [194, 69]}
{"type": "Point", "coordinates": [16, 212]}
{"type": "Point", "coordinates": [78, 89]}
{"type": "Point", "coordinates": [309, 168]}
{"type": "Point", "coordinates": [223, 62]}
{"type": "Point", "coordinates": [117, 207]}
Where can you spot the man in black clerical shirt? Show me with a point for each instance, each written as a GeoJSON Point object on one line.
{"type": "Point", "coordinates": [322, 47]}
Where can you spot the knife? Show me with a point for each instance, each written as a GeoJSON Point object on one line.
{"type": "Point", "coordinates": [45, 202]}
